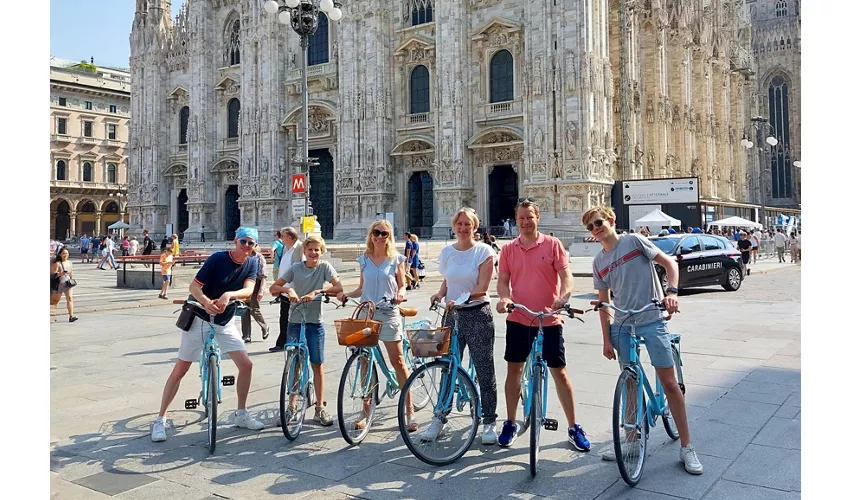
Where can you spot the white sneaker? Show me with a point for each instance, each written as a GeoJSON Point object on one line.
{"type": "Point", "coordinates": [433, 431]}
{"type": "Point", "coordinates": [489, 435]}
{"type": "Point", "coordinates": [628, 449]}
{"type": "Point", "coordinates": [688, 456]}
{"type": "Point", "coordinates": [158, 431]}
{"type": "Point", "coordinates": [246, 421]}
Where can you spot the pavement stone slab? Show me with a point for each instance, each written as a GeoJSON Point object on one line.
{"type": "Point", "coordinates": [730, 490]}
{"type": "Point", "coordinates": [622, 491]}
{"type": "Point", "coordinates": [760, 392]}
{"type": "Point", "coordinates": [586, 478]}
{"type": "Point", "coordinates": [739, 412]}
{"type": "Point", "coordinates": [780, 433]}
{"type": "Point", "coordinates": [776, 375]}
{"type": "Point", "coordinates": [664, 473]}
{"type": "Point", "coordinates": [787, 410]}
{"type": "Point", "coordinates": [767, 466]}
{"type": "Point", "coordinates": [115, 481]}
{"type": "Point", "coordinates": [62, 489]}
{"type": "Point", "coordinates": [714, 378]}
{"type": "Point", "coordinates": [164, 489]}
{"type": "Point", "coordinates": [719, 439]}
{"type": "Point", "coordinates": [702, 395]}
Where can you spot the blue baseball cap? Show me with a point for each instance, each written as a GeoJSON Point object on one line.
{"type": "Point", "coordinates": [248, 232]}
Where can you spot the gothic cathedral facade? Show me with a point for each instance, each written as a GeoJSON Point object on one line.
{"type": "Point", "coordinates": [420, 107]}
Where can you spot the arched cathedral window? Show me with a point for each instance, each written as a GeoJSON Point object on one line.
{"type": "Point", "coordinates": [502, 77]}
{"type": "Point", "coordinates": [781, 8]}
{"type": "Point", "coordinates": [184, 124]}
{"type": "Point", "coordinates": [779, 118]}
{"type": "Point", "coordinates": [420, 99]}
{"type": "Point", "coordinates": [111, 173]}
{"type": "Point", "coordinates": [233, 107]}
{"type": "Point", "coordinates": [421, 12]}
{"type": "Point", "coordinates": [61, 173]}
{"type": "Point", "coordinates": [87, 172]}
{"type": "Point", "coordinates": [317, 50]}
{"type": "Point", "coordinates": [233, 44]}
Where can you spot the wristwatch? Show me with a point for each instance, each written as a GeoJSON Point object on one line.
{"type": "Point", "coordinates": [672, 289]}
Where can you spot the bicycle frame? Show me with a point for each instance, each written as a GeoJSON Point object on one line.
{"type": "Point", "coordinates": [301, 344]}
{"type": "Point", "coordinates": [210, 349]}
{"type": "Point", "coordinates": [656, 406]}
{"type": "Point", "coordinates": [535, 359]}
{"type": "Point", "coordinates": [444, 405]}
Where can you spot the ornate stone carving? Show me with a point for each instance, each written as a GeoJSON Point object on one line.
{"type": "Point", "coordinates": [695, 167]}
{"type": "Point", "coordinates": [537, 77]}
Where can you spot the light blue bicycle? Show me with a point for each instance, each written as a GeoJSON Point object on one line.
{"type": "Point", "coordinates": [211, 378]}
{"type": "Point", "coordinates": [535, 383]}
{"type": "Point", "coordinates": [451, 393]}
{"type": "Point", "coordinates": [359, 386]}
{"type": "Point", "coordinates": [635, 412]}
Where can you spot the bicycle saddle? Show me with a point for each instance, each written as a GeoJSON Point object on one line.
{"type": "Point", "coordinates": [408, 311]}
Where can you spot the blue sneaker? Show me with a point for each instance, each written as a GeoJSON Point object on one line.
{"type": "Point", "coordinates": [508, 434]}
{"type": "Point", "coordinates": [577, 438]}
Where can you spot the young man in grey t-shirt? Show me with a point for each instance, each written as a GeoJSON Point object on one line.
{"type": "Point", "coordinates": [625, 268]}
{"type": "Point", "coordinates": [301, 283]}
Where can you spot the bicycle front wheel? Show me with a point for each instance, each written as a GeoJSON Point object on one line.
{"type": "Point", "coordinates": [357, 397]}
{"type": "Point", "coordinates": [212, 401]}
{"type": "Point", "coordinates": [536, 416]}
{"type": "Point", "coordinates": [420, 390]}
{"type": "Point", "coordinates": [631, 428]}
{"type": "Point", "coordinates": [667, 416]}
{"type": "Point", "coordinates": [293, 396]}
{"type": "Point", "coordinates": [453, 408]}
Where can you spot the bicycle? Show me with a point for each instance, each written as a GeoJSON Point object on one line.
{"type": "Point", "coordinates": [211, 378]}
{"type": "Point", "coordinates": [360, 382]}
{"type": "Point", "coordinates": [534, 390]}
{"type": "Point", "coordinates": [631, 412]}
{"type": "Point", "coordinates": [449, 387]}
{"type": "Point", "coordinates": [296, 383]}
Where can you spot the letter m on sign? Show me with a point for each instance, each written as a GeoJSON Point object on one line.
{"type": "Point", "coordinates": [299, 183]}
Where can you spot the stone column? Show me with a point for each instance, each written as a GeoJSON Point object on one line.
{"type": "Point", "coordinates": [98, 228]}
{"type": "Point", "coordinates": [73, 223]}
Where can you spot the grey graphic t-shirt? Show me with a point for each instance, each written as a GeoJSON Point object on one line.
{"type": "Point", "coordinates": [305, 280]}
{"type": "Point", "coordinates": [627, 270]}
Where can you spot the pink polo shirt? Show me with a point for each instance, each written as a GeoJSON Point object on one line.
{"type": "Point", "coordinates": [534, 276]}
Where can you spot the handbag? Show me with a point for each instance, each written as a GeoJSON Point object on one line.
{"type": "Point", "coordinates": [69, 281]}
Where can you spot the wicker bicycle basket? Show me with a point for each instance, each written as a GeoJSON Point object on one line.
{"type": "Point", "coordinates": [430, 342]}
{"type": "Point", "coordinates": [359, 332]}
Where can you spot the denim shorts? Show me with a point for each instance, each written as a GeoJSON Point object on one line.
{"type": "Point", "coordinates": [656, 341]}
{"type": "Point", "coordinates": [315, 335]}
{"type": "Point", "coordinates": [166, 278]}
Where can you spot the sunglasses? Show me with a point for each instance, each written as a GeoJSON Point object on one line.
{"type": "Point", "coordinates": [529, 199]}
{"type": "Point", "coordinates": [380, 234]}
{"type": "Point", "coordinates": [597, 223]}
{"type": "Point", "coordinates": [243, 241]}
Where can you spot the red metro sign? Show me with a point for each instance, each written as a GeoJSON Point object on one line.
{"type": "Point", "coordinates": [299, 183]}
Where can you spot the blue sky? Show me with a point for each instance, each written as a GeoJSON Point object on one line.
{"type": "Point", "coordinates": [81, 29]}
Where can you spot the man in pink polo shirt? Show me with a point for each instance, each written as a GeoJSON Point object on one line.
{"type": "Point", "coordinates": [533, 271]}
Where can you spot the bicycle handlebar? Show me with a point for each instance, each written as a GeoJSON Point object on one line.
{"type": "Point", "coordinates": [570, 311]}
{"type": "Point", "coordinates": [655, 304]}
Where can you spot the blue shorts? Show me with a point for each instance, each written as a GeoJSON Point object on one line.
{"type": "Point", "coordinates": [84, 251]}
{"type": "Point", "coordinates": [166, 278]}
{"type": "Point", "coordinates": [315, 335]}
{"type": "Point", "coordinates": [656, 341]}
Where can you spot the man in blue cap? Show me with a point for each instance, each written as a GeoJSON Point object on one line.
{"type": "Point", "coordinates": [225, 276]}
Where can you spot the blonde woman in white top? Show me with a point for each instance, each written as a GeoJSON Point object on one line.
{"type": "Point", "coordinates": [467, 266]}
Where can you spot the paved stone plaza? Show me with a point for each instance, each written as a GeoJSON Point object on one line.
{"type": "Point", "coordinates": [741, 354]}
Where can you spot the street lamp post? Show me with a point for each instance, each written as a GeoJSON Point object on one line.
{"type": "Point", "coordinates": [759, 123]}
{"type": "Point", "coordinates": [303, 17]}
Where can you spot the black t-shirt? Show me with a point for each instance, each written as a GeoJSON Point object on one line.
{"type": "Point", "coordinates": [744, 246]}
{"type": "Point", "coordinates": [147, 245]}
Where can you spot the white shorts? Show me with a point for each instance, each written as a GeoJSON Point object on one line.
{"type": "Point", "coordinates": [228, 337]}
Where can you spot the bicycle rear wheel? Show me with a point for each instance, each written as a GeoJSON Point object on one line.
{"type": "Point", "coordinates": [212, 401]}
{"type": "Point", "coordinates": [536, 416]}
{"type": "Point", "coordinates": [454, 420]}
{"type": "Point", "coordinates": [292, 412]}
{"type": "Point", "coordinates": [630, 433]}
{"type": "Point", "coordinates": [357, 397]}
{"type": "Point", "coordinates": [667, 417]}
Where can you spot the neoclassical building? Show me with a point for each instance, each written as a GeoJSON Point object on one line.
{"type": "Point", "coordinates": [419, 107]}
{"type": "Point", "coordinates": [89, 116]}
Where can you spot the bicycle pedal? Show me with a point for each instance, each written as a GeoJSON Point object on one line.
{"type": "Point", "coordinates": [550, 424]}
{"type": "Point", "coordinates": [191, 404]}
{"type": "Point", "coordinates": [228, 380]}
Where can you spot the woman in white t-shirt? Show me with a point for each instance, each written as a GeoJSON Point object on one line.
{"type": "Point", "coordinates": [467, 266]}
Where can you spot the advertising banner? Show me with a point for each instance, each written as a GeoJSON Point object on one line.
{"type": "Point", "coordinates": [661, 191]}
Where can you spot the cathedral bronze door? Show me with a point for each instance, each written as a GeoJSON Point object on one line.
{"type": "Point", "coordinates": [322, 190]}
{"type": "Point", "coordinates": [420, 204]}
{"type": "Point", "coordinates": [182, 213]}
{"type": "Point", "coordinates": [232, 219]}
{"type": "Point", "coordinates": [504, 194]}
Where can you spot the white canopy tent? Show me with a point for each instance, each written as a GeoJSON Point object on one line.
{"type": "Point", "coordinates": [736, 222]}
{"type": "Point", "coordinates": [658, 218]}
{"type": "Point", "coordinates": [119, 225]}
